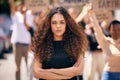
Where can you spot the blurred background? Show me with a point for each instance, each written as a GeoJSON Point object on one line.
{"type": "Point", "coordinates": [105, 11]}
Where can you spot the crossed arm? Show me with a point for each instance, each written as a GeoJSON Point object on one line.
{"type": "Point", "coordinates": [44, 73]}
{"type": "Point", "coordinates": [63, 73]}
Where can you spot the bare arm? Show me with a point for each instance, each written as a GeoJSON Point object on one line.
{"type": "Point", "coordinates": [44, 73]}
{"type": "Point", "coordinates": [76, 69]}
{"type": "Point", "coordinates": [99, 34]}
{"type": "Point", "coordinates": [84, 12]}
{"type": "Point", "coordinates": [26, 25]}
{"type": "Point", "coordinates": [12, 7]}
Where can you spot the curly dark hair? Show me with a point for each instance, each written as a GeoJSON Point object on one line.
{"type": "Point", "coordinates": [75, 40]}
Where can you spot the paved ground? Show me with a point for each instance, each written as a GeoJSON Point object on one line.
{"type": "Point", "coordinates": [7, 68]}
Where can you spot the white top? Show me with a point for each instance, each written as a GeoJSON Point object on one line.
{"type": "Point", "coordinates": [20, 33]}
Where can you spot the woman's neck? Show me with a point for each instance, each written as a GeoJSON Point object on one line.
{"type": "Point", "coordinates": [58, 38]}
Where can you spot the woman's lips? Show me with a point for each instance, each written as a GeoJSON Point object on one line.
{"type": "Point", "coordinates": [58, 30]}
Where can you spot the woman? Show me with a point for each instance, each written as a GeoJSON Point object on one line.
{"type": "Point", "coordinates": [59, 45]}
{"type": "Point", "coordinates": [111, 47]}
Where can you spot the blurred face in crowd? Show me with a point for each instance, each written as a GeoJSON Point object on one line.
{"type": "Point", "coordinates": [58, 26]}
{"type": "Point", "coordinates": [21, 7]}
{"type": "Point", "coordinates": [115, 31]}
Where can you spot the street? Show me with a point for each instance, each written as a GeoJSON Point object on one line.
{"type": "Point", "coordinates": [7, 68]}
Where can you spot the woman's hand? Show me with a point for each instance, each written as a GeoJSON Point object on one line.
{"type": "Point", "coordinates": [87, 8]}
{"type": "Point", "coordinates": [84, 12]}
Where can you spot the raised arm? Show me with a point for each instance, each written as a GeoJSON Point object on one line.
{"type": "Point", "coordinates": [101, 38]}
{"type": "Point", "coordinates": [12, 7]}
{"type": "Point", "coordinates": [98, 31]}
{"type": "Point", "coordinates": [84, 12]}
{"type": "Point", "coordinates": [45, 73]}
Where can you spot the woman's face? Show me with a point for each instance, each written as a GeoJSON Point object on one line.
{"type": "Point", "coordinates": [58, 26]}
{"type": "Point", "coordinates": [115, 31]}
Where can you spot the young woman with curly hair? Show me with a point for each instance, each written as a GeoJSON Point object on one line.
{"type": "Point", "coordinates": [59, 44]}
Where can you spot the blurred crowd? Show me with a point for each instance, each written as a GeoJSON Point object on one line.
{"type": "Point", "coordinates": [17, 29]}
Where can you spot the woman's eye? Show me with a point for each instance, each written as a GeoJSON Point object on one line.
{"type": "Point", "coordinates": [54, 22]}
{"type": "Point", "coordinates": [62, 22]}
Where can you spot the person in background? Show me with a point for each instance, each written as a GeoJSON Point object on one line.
{"type": "Point", "coordinates": [30, 26]}
{"type": "Point", "coordinates": [5, 23]}
{"type": "Point", "coordinates": [94, 62]}
{"type": "Point", "coordinates": [59, 44]}
{"type": "Point", "coordinates": [20, 36]}
{"type": "Point", "coordinates": [110, 46]}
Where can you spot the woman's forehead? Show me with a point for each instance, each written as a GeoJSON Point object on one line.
{"type": "Point", "coordinates": [57, 16]}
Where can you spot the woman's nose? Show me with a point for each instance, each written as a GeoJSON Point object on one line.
{"type": "Point", "coordinates": [58, 25]}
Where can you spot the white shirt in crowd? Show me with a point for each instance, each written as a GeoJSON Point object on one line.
{"type": "Point", "coordinates": [20, 33]}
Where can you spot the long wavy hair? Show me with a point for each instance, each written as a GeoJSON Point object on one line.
{"type": "Point", "coordinates": [75, 40]}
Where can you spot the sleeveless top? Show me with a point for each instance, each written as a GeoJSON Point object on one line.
{"type": "Point", "coordinates": [59, 59]}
